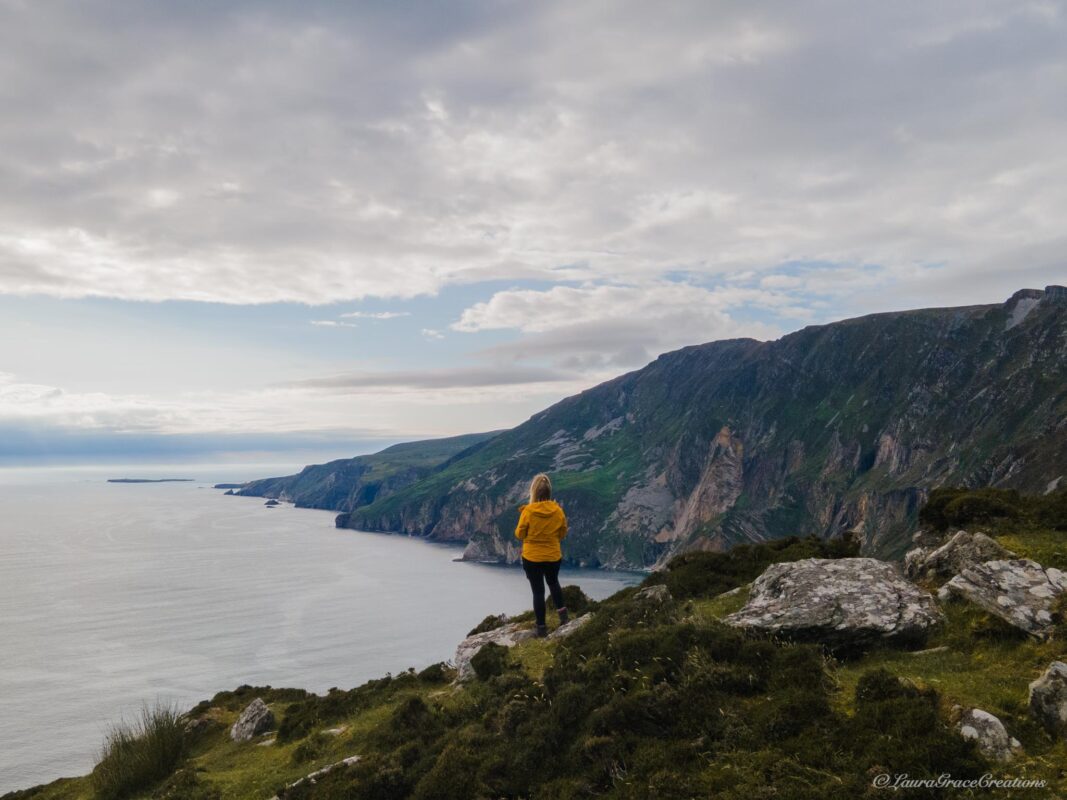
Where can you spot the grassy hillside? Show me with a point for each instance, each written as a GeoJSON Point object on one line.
{"type": "Point", "coordinates": [350, 483]}
{"type": "Point", "coordinates": [657, 700]}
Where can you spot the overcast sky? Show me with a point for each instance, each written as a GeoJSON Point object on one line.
{"type": "Point", "coordinates": [363, 222]}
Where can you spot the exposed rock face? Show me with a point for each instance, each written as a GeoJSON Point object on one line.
{"type": "Point", "coordinates": [506, 636]}
{"type": "Point", "coordinates": [656, 594]}
{"type": "Point", "coordinates": [254, 720]}
{"type": "Point", "coordinates": [963, 550]}
{"type": "Point", "coordinates": [989, 734]}
{"type": "Point", "coordinates": [843, 603]}
{"type": "Point", "coordinates": [1019, 591]}
{"type": "Point", "coordinates": [1048, 699]}
{"type": "Point", "coordinates": [833, 429]}
{"type": "Point", "coordinates": [563, 631]}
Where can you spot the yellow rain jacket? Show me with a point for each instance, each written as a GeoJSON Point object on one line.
{"type": "Point", "coordinates": [542, 526]}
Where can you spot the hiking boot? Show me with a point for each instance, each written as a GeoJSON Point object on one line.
{"type": "Point", "coordinates": [564, 617]}
{"type": "Point", "coordinates": [542, 631]}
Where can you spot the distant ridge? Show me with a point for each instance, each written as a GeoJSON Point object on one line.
{"type": "Point", "coordinates": [150, 480]}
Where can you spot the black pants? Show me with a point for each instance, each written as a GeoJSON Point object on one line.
{"type": "Point", "coordinates": [539, 573]}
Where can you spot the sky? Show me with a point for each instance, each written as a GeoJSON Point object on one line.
{"type": "Point", "coordinates": [233, 228]}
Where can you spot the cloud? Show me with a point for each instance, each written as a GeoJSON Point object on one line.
{"type": "Point", "coordinates": [464, 377]}
{"type": "Point", "coordinates": [375, 314]}
{"type": "Point", "coordinates": [602, 326]}
{"type": "Point", "coordinates": [317, 152]}
{"type": "Point", "coordinates": [332, 323]}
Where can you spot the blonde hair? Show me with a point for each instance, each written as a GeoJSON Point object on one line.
{"type": "Point", "coordinates": [540, 488]}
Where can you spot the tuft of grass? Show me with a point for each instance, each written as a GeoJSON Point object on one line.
{"type": "Point", "coordinates": [136, 755]}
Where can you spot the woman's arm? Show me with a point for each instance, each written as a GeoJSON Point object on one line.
{"type": "Point", "coordinates": [523, 526]}
{"type": "Point", "coordinates": [563, 529]}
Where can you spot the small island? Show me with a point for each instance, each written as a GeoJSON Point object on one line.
{"type": "Point", "coordinates": [150, 480]}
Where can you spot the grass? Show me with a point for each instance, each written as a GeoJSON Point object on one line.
{"type": "Point", "coordinates": [136, 755]}
{"type": "Point", "coordinates": [1046, 547]}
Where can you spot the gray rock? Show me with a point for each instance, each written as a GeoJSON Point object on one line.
{"type": "Point", "coordinates": [657, 594]}
{"type": "Point", "coordinates": [844, 602]}
{"type": "Point", "coordinates": [563, 631]}
{"type": "Point", "coordinates": [507, 636]}
{"type": "Point", "coordinates": [1019, 591]}
{"type": "Point", "coordinates": [314, 776]}
{"type": "Point", "coordinates": [254, 720]}
{"type": "Point", "coordinates": [963, 550]}
{"type": "Point", "coordinates": [989, 734]}
{"type": "Point", "coordinates": [1048, 699]}
{"type": "Point", "coordinates": [927, 539]}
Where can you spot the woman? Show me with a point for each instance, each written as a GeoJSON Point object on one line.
{"type": "Point", "coordinates": [542, 526]}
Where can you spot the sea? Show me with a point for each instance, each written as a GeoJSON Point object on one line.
{"type": "Point", "coordinates": [117, 595]}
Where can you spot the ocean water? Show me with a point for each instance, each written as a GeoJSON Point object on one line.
{"type": "Point", "coordinates": [116, 595]}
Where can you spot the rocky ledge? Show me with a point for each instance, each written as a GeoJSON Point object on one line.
{"type": "Point", "coordinates": [842, 603]}
{"type": "Point", "coordinates": [1019, 591]}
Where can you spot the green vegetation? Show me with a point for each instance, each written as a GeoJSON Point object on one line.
{"type": "Point", "coordinates": [138, 754]}
{"type": "Point", "coordinates": [700, 574]}
{"type": "Point", "coordinates": [350, 483]}
{"type": "Point", "coordinates": [1000, 509]}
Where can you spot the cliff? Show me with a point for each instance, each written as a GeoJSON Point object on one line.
{"type": "Point", "coordinates": [836, 428]}
{"type": "Point", "coordinates": [351, 483]}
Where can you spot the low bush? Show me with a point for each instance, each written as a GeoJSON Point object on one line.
{"type": "Point", "coordinates": [490, 623]}
{"type": "Point", "coordinates": [954, 507]}
{"type": "Point", "coordinates": [435, 673]}
{"type": "Point", "coordinates": [312, 710]}
{"type": "Point", "coordinates": [491, 660]}
{"type": "Point", "coordinates": [575, 601]}
{"type": "Point", "coordinates": [702, 574]}
{"type": "Point", "coordinates": [137, 755]}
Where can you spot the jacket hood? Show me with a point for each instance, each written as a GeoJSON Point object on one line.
{"type": "Point", "coordinates": [544, 508]}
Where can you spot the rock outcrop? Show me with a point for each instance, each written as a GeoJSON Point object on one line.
{"type": "Point", "coordinates": [506, 636]}
{"type": "Point", "coordinates": [1019, 591]}
{"type": "Point", "coordinates": [257, 718]}
{"type": "Point", "coordinates": [563, 631]}
{"type": "Point", "coordinates": [655, 594]}
{"type": "Point", "coordinates": [842, 603]}
{"type": "Point", "coordinates": [314, 777]}
{"type": "Point", "coordinates": [989, 734]}
{"type": "Point", "coordinates": [1048, 699]}
{"type": "Point", "coordinates": [962, 550]}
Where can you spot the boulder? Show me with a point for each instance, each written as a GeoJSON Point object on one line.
{"type": "Point", "coordinates": [313, 778]}
{"type": "Point", "coordinates": [656, 594]}
{"type": "Point", "coordinates": [928, 539]}
{"type": "Point", "coordinates": [842, 603]}
{"type": "Point", "coordinates": [564, 631]}
{"type": "Point", "coordinates": [506, 636]}
{"type": "Point", "coordinates": [1019, 591]}
{"type": "Point", "coordinates": [963, 550]}
{"type": "Point", "coordinates": [989, 734]}
{"type": "Point", "coordinates": [1048, 699]}
{"type": "Point", "coordinates": [254, 720]}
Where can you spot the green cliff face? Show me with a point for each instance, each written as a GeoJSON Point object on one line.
{"type": "Point", "coordinates": [835, 428]}
{"type": "Point", "coordinates": [350, 483]}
